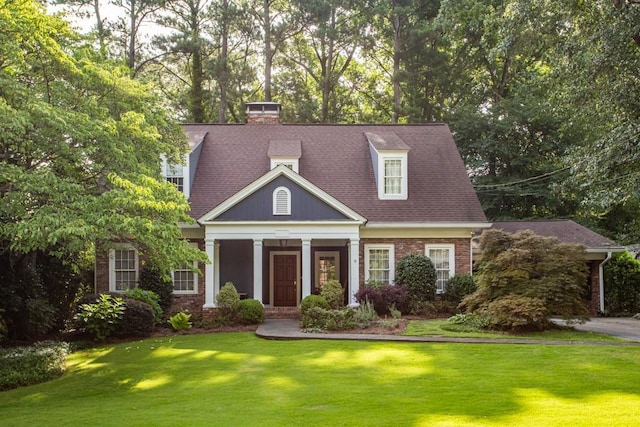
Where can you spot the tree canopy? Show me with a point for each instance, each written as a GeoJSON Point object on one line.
{"type": "Point", "coordinates": [523, 279]}
{"type": "Point", "coordinates": [541, 96]}
{"type": "Point", "coordinates": [79, 146]}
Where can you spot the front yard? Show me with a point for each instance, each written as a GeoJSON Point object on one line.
{"type": "Point", "coordinates": [237, 379]}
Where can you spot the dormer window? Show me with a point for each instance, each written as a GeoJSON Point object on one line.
{"type": "Point", "coordinates": [392, 177]}
{"type": "Point", "coordinates": [175, 175]}
{"type": "Point", "coordinates": [281, 201]}
{"type": "Point", "coordinates": [285, 152]}
{"type": "Point", "coordinates": [389, 156]}
{"type": "Point", "coordinates": [178, 174]}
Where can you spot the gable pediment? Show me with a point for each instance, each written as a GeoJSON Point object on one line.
{"type": "Point", "coordinates": [255, 203]}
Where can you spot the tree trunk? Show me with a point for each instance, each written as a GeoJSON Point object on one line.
{"type": "Point", "coordinates": [224, 72]}
{"type": "Point", "coordinates": [268, 56]}
{"type": "Point", "coordinates": [397, 96]}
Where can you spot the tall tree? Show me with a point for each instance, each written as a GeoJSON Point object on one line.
{"type": "Point", "coordinates": [187, 20]}
{"type": "Point", "coordinates": [508, 132]}
{"type": "Point", "coordinates": [137, 12]}
{"type": "Point", "coordinates": [79, 147]}
{"type": "Point", "coordinates": [327, 45]}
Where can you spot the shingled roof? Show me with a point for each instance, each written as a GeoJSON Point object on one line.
{"type": "Point", "coordinates": [565, 230]}
{"type": "Point", "coordinates": [337, 159]}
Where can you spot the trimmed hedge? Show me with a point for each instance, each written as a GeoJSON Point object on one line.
{"type": "Point", "coordinates": [250, 312]}
{"type": "Point", "coordinates": [313, 301]}
{"type": "Point", "coordinates": [22, 366]}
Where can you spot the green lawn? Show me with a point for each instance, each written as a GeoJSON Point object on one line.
{"type": "Point", "coordinates": [440, 327]}
{"type": "Point", "coordinates": [237, 379]}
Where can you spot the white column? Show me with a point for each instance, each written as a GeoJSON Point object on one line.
{"type": "Point", "coordinates": [216, 273]}
{"type": "Point", "coordinates": [257, 270]}
{"type": "Point", "coordinates": [354, 270]}
{"type": "Point", "coordinates": [209, 297]}
{"type": "Point", "coordinates": [306, 267]}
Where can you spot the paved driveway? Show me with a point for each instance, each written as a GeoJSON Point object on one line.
{"type": "Point", "coordinates": [625, 327]}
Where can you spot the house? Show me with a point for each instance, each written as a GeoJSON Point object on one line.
{"type": "Point", "coordinates": [599, 249]}
{"type": "Point", "coordinates": [282, 208]}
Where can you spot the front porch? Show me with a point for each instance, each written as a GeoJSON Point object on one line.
{"type": "Point", "coordinates": [281, 267]}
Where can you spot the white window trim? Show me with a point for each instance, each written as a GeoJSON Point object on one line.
{"type": "Point", "coordinates": [402, 156]}
{"type": "Point", "coordinates": [392, 261]}
{"type": "Point", "coordinates": [186, 185]}
{"type": "Point", "coordinates": [112, 266]}
{"type": "Point", "coordinates": [452, 257]}
{"type": "Point", "coordinates": [287, 161]}
{"type": "Point", "coordinates": [195, 277]}
{"type": "Point", "coordinates": [275, 204]}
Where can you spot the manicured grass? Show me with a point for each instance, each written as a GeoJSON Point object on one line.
{"type": "Point", "coordinates": [439, 327]}
{"type": "Point", "coordinates": [237, 379]}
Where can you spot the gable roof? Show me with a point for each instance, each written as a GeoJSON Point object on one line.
{"type": "Point", "coordinates": [564, 230]}
{"type": "Point", "coordinates": [280, 170]}
{"type": "Point", "coordinates": [336, 159]}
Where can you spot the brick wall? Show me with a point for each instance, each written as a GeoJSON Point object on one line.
{"type": "Point", "coordinates": [407, 246]}
{"type": "Point", "coordinates": [181, 302]}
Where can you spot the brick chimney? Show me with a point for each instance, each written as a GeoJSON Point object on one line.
{"type": "Point", "coordinates": [263, 113]}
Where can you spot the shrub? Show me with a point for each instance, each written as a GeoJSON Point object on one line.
{"type": "Point", "coordinates": [458, 287]}
{"type": "Point", "coordinates": [365, 314]}
{"type": "Point", "coordinates": [622, 293]}
{"type": "Point", "coordinates": [151, 279]}
{"type": "Point", "coordinates": [384, 297]}
{"type": "Point", "coordinates": [333, 292]}
{"type": "Point", "coordinates": [523, 279]}
{"type": "Point", "coordinates": [315, 318]}
{"type": "Point", "coordinates": [138, 320]}
{"type": "Point", "coordinates": [228, 300]}
{"type": "Point", "coordinates": [180, 321]}
{"type": "Point", "coordinates": [41, 315]}
{"type": "Point", "coordinates": [417, 273]}
{"type": "Point", "coordinates": [22, 366]}
{"type": "Point", "coordinates": [101, 318]}
{"type": "Point", "coordinates": [148, 297]}
{"type": "Point", "coordinates": [313, 301]}
{"type": "Point", "coordinates": [319, 319]}
{"type": "Point", "coordinates": [250, 312]}
{"type": "Point", "coordinates": [340, 320]}
{"type": "Point", "coordinates": [467, 322]}
{"type": "Point", "coordinates": [518, 313]}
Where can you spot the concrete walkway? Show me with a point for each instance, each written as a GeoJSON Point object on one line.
{"type": "Point", "coordinates": [287, 329]}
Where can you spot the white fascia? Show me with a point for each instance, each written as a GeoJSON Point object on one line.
{"type": "Point", "coordinates": [279, 170]}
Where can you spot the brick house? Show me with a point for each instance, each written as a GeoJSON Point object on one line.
{"type": "Point", "coordinates": [281, 208]}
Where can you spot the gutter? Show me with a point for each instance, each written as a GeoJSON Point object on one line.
{"type": "Point", "coordinates": [601, 279]}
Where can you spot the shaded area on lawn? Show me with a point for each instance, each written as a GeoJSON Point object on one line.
{"type": "Point", "coordinates": [238, 379]}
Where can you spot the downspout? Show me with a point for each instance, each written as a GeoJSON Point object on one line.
{"type": "Point", "coordinates": [601, 280]}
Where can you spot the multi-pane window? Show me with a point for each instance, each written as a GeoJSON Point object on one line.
{"type": "Point", "coordinates": [124, 269]}
{"type": "Point", "coordinates": [442, 258]}
{"type": "Point", "coordinates": [392, 177]}
{"type": "Point", "coordinates": [379, 263]}
{"type": "Point", "coordinates": [175, 175]}
{"type": "Point", "coordinates": [185, 281]}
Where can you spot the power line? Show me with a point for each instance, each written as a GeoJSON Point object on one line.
{"type": "Point", "coordinates": [522, 181]}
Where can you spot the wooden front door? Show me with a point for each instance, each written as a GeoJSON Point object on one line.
{"type": "Point", "coordinates": [285, 282]}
